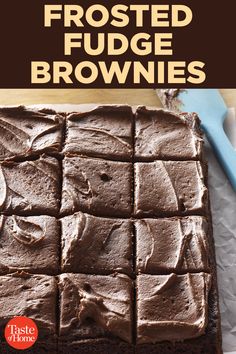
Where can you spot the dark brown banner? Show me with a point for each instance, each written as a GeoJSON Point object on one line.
{"type": "Point", "coordinates": [101, 44]}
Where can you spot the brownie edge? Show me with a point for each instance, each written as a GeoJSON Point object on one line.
{"type": "Point", "coordinates": [29, 244]}
{"type": "Point", "coordinates": [33, 296]}
{"type": "Point", "coordinates": [30, 187]}
{"type": "Point", "coordinates": [27, 132]}
{"type": "Point", "coordinates": [209, 343]}
{"type": "Point", "coordinates": [165, 135]}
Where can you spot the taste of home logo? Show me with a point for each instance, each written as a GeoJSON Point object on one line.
{"type": "Point", "coordinates": [21, 333]}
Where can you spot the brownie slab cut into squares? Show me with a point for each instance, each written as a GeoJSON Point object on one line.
{"type": "Point", "coordinates": [172, 245]}
{"type": "Point", "coordinates": [172, 307]}
{"type": "Point", "coordinates": [105, 131]}
{"type": "Point", "coordinates": [30, 244]}
{"type": "Point", "coordinates": [96, 186]}
{"type": "Point", "coordinates": [161, 134]}
{"type": "Point", "coordinates": [95, 314]}
{"type": "Point", "coordinates": [25, 132]}
{"type": "Point", "coordinates": [32, 296]}
{"type": "Point", "coordinates": [30, 187]}
{"type": "Point", "coordinates": [173, 188]}
{"type": "Point", "coordinates": [113, 230]}
{"type": "Point", "coordinates": [96, 245]}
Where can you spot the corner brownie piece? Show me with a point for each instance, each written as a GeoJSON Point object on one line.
{"type": "Point", "coordinates": [30, 244]}
{"type": "Point", "coordinates": [30, 187]}
{"type": "Point", "coordinates": [105, 131]}
{"type": "Point", "coordinates": [95, 314]}
{"type": "Point", "coordinates": [173, 188]}
{"type": "Point", "coordinates": [96, 245]}
{"type": "Point", "coordinates": [96, 186]}
{"type": "Point", "coordinates": [161, 134]}
{"type": "Point", "coordinates": [33, 296]}
{"type": "Point", "coordinates": [207, 343]}
{"type": "Point", "coordinates": [172, 307]}
{"type": "Point", "coordinates": [172, 245]}
{"type": "Point", "coordinates": [25, 132]}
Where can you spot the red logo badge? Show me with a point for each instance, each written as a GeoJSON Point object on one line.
{"type": "Point", "coordinates": [21, 333]}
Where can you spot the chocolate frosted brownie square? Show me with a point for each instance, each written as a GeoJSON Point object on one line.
{"type": "Point", "coordinates": [27, 131]}
{"type": "Point", "coordinates": [105, 131]}
{"type": "Point", "coordinates": [96, 245]}
{"type": "Point", "coordinates": [33, 296]}
{"type": "Point", "coordinates": [96, 186]}
{"type": "Point", "coordinates": [172, 307]}
{"type": "Point", "coordinates": [95, 314]}
{"type": "Point", "coordinates": [161, 134]}
{"type": "Point", "coordinates": [30, 244]}
{"type": "Point", "coordinates": [30, 187]}
{"type": "Point", "coordinates": [172, 245]}
{"type": "Point", "coordinates": [165, 188]}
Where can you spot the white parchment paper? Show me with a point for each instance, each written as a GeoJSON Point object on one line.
{"type": "Point", "coordinates": [223, 204]}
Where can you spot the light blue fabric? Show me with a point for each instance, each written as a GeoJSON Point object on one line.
{"type": "Point", "coordinates": [212, 110]}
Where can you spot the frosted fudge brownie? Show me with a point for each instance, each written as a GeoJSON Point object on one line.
{"type": "Point", "coordinates": [30, 244]}
{"type": "Point", "coordinates": [172, 245]}
{"type": "Point", "coordinates": [25, 132]}
{"type": "Point", "coordinates": [161, 134]}
{"type": "Point", "coordinates": [95, 314]}
{"type": "Point", "coordinates": [33, 296]}
{"type": "Point", "coordinates": [173, 188]}
{"type": "Point", "coordinates": [175, 314]}
{"type": "Point", "coordinates": [96, 245]}
{"type": "Point", "coordinates": [96, 186]}
{"type": "Point", "coordinates": [30, 187]}
{"type": "Point", "coordinates": [105, 131]}
{"type": "Point", "coordinates": [172, 307]}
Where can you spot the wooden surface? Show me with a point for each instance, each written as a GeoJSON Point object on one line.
{"type": "Point", "coordinates": [78, 96]}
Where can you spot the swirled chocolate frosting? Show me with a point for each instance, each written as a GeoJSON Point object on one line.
{"type": "Point", "coordinates": [96, 186]}
{"type": "Point", "coordinates": [26, 132]}
{"type": "Point", "coordinates": [114, 216]}
{"type": "Point", "coordinates": [172, 245]}
{"type": "Point", "coordinates": [105, 131]}
{"type": "Point", "coordinates": [173, 188]}
{"type": "Point", "coordinates": [29, 243]}
{"type": "Point", "coordinates": [161, 134]}
{"type": "Point", "coordinates": [93, 306]}
{"type": "Point", "coordinates": [33, 296]}
{"type": "Point", "coordinates": [96, 245]}
{"type": "Point", "coordinates": [172, 307]}
{"type": "Point", "coordinates": [30, 187]}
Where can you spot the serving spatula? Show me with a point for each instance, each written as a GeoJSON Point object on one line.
{"type": "Point", "coordinates": [212, 110]}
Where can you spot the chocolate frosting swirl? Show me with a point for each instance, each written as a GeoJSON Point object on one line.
{"type": "Point", "coordinates": [32, 296]}
{"type": "Point", "coordinates": [93, 244]}
{"type": "Point", "coordinates": [27, 131]}
{"type": "Point", "coordinates": [104, 131]}
{"type": "Point", "coordinates": [180, 189]}
{"type": "Point", "coordinates": [162, 134]}
{"type": "Point", "coordinates": [22, 186]}
{"type": "Point", "coordinates": [173, 244]}
{"type": "Point", "coordinates": [27, 232]}
{"type": "Point", "coordinates": [172, 307]}
{"type": "Point", "coordinates": [29, 243]}
{"type": "Point", "coordinates": [104, 299]}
